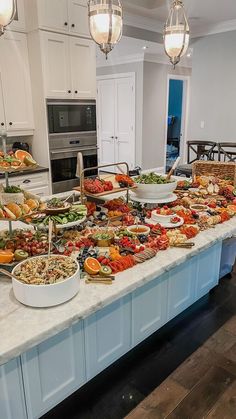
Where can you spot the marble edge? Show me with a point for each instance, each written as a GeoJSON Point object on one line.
{"type": "Point", "coordinates": [107, 300]}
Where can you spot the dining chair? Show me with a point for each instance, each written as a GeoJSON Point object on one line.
{"type": "Point", "coordinates": [227, 151]}
{"type": "Point", "coordinates": [196, 150]}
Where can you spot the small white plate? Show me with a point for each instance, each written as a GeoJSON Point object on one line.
{"type": "Point", "coordinates": [170, 198]}
{"type": "Point", "coordinates": [165, 225]}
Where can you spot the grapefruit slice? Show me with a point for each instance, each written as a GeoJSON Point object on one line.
{"type": "Point", "coordinates": [21, 154]}
{"type": "Point", "coordinates": [92, 266]}
{"type": "Point", "coordinates": [6, 256]}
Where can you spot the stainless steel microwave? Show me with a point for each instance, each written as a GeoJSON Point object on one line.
{"type": "Point", "coordinates": [71, 117]}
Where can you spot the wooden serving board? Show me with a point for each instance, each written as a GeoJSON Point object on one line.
{"type": "Point", "coordinates": [97, 195]}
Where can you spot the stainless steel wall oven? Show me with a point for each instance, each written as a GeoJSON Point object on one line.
{"type": "Point", "coordinates": [72, 129]}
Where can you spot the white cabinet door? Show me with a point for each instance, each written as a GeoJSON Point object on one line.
{"type": "Point", "coordinates": [124, 120]}
{"type": "Point", "coordinates": [16, 85]}
{"type": "Point", "coordinates": [106, 121]}
{"type": "Point", "coordinates": [56, 65]}
{"type": "Point", "coordinates": [208, 273]}
{"type": "Point", "coordinates": [83, 68]}
{"type": "Point", "coordinates": [181, 290]}
{"type": "Point", "coordinates": [53, 14]}
{"type": "Point", "coordinates": [107, 336]}
{"type": "Point", "coordinates": [149, 311]}
{"type": "Point", "coordinates": [78, 17]}
{"type": "Point", "coordinates": [53, 370]}
{"type": "Point", "coordinates": [12, 403]}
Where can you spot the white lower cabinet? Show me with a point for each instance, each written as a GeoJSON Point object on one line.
{"type": "Point", "coordinates": [36, 183]}
{"type": "Point", "coordinates": [149, 309]}
{"type": "Point", "coordinates": [208, 270]}
{"type": "Point", "coordinates": [181, 288]}
{"type": "Point", "coordinates": [12, 402]}
{"type": "Point", "coordinates": [107, 335]}
{"type": "Point", "coordinates": [53, 370]}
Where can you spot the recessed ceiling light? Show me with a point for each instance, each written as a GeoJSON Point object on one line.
{"type": "Point", "coordinates": [145, 47]}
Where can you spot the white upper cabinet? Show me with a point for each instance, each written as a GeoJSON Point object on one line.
{"type": "Point", "coordinates": [69, 66]}
{"type": "Point", "coordinates": [68, 16]}
{"type": "Point", "coordinates": [16, 86]}
{"type": "Point", "coordinates": [56, 65]}
{"type": "Point", "coordinates": [53, 14]}
{"type": "Point", "coordinates": [78, 17]}
{"type": "Point", "coordinates": [83, 67]}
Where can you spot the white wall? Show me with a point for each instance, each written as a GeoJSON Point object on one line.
{"type": "Point", "coordinates": [137, 68]}
{"type": "Point", "coordinates": [213, 88]}
{"type": "Point", "coordinates": [154, 111]}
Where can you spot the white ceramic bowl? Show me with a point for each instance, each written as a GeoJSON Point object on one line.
{"type": "Point", "coordinates": [154, 190]}
{"type": "Point", "coordinates": [158, 218]}
{"type": "Point", "coordinates": [46, 295]}
{"type": "Point", "coordinates": [145, 232]}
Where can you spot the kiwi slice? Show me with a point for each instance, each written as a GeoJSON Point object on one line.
{"type": "Point", "coordinates": [20, 255]}
{"type": "Point", "coordinates": [105, 270]}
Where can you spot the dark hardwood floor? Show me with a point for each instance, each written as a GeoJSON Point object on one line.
{"type": "Point", "coordinates": [185, 370]}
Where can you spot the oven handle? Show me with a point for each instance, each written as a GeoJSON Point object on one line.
{"type": "Point", "coordinates": [72, 150]}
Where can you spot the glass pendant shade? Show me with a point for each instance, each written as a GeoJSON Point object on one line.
{"type": "Point", "coordinates": [176, 33]}
{"type": "Point", "coordinates": [7, 13]}
{"type": "Point", "coordinates": [105, 23]}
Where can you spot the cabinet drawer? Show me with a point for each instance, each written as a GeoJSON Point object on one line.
{"type": "Point", "coordinates": [53, 370]}
{"type": "Point", "coordinates": [30, 181]}
{"type": "Point", "coordinates": [107, 335]}
{"type": "Point", "coordinates": [12, 403]}
{"type": "Point", "coordinates": [149, 311]}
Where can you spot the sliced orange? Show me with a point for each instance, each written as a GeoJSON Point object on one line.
{"type": "Point", "coordinates": [21, 154]}
{"type": "Point", "coordinates": [92, 266]}
{"type": "Point", "coordinates": [6, 256]}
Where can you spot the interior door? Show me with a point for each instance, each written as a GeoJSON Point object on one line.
{"type": "Point", "coordinates": [125, 120]}
{"type": "Point", "coordinates": [83, 68]}
{"type": "Point", "coordinates": [78, 17]}
{"type": "Point", "coordinates": [106, 121]}
{"type": "Point", "coordinates": [56, 62]}
{"type": "Point", "coordinates": [53, 14]}
{"type": "Point", "coordinates": [16, 85]}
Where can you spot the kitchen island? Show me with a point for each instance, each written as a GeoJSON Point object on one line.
{"type": "Point", "coordinates": [46, 354]}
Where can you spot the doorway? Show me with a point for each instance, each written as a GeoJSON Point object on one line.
{"type": "Point", "coordinates": [177, 98]}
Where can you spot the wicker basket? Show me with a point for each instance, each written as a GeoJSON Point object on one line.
{"type": "Point", "coordinates": [212, 168]}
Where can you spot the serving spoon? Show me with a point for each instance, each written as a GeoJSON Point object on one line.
{"type": "Point", "coordinates": [10, 275]}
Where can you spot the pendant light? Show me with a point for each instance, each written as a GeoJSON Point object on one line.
{"type": "Point", "coordinates": [176, 33]}
{"type": "Point", "coordinates": [7, 13]}
{"type": "Point", "coordinates": [105, 23]}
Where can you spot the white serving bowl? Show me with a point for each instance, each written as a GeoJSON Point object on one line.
{"type": "Point", "coordinates": [158, 218]}
{"type": "Point", "coordinates": [46, 295]}
{"type": "Point", "coordinates": [154, 190]}
{"type": "Point", "coordinates": [145, 232]}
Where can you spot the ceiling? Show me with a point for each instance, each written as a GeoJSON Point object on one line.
{"type": "Point", "coordinates": [204, 15]}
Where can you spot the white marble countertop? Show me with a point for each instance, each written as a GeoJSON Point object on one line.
{"type": "Point", "coordinates": [22, 327]}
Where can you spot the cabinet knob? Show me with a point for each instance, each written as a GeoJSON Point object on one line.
{"type": "Point", "coordinates": [76, 91]}
{"type": "Point", "coordinates": [2, 123]}
{"type": "Point", "coordinates": [112, 137]}
{"type": "Point", "coordinates": [73, 25]}
{"type": "Point", "coordinates": [10, 123]}
{"type": "Point", "coordinates": [66, 23]}
{"type": "Point", "coordinates": [69, 91]}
